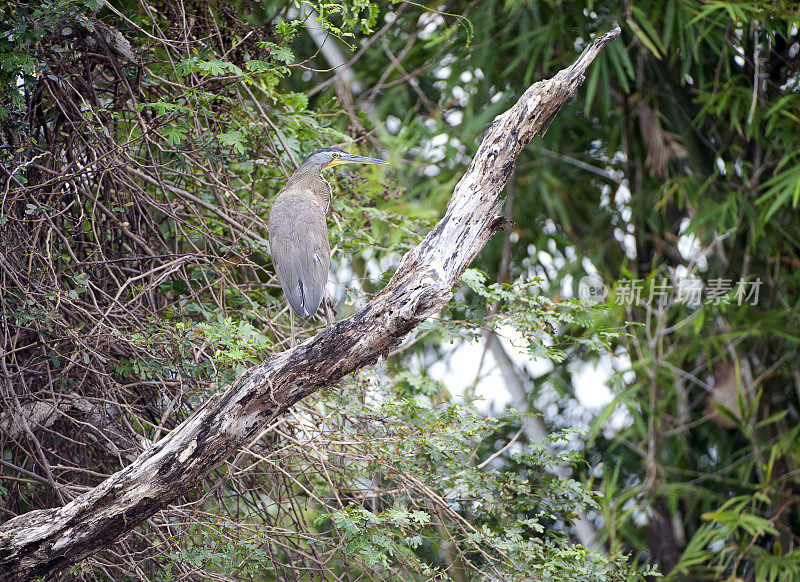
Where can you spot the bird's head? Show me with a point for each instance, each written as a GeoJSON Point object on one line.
{"type": "Point", "coordinates": [329, 157]}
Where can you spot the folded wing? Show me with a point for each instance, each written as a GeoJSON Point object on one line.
{"type": "Point", "coordinates": [300, 251]}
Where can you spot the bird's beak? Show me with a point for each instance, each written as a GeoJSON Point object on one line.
{"type": "Point", "coordinates": [353, 159]}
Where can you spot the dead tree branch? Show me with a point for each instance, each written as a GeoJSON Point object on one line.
{"type": "Point", "coordinates": [42, 542]}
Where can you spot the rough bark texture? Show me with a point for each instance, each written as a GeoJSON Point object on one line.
{"type": "Point", "coordinates": [42, 542]}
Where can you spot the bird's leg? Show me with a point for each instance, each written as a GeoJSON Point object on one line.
{"type": "Point", "coordinates": [329, 310]}
{"type": "Point", "coordinates": [291, 318]}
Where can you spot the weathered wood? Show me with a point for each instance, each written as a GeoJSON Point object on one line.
{"type": "Point", "coordinates": [41, 542]}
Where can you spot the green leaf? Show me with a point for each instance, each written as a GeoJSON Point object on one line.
{"type": "Point", "coordinates": [283, 54]}
{"type": "Point", "coordinates": [234, 139]}
{"type": "Point", "coordinates": [174, 133]}
{"type": "Point", "coordinates": [475, 280]}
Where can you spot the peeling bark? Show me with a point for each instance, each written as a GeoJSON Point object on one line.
{"type": "Point", "coordinates": [42, 542]}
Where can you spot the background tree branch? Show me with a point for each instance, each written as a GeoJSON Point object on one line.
{"type": "Point", "coordinates": [42, 542]}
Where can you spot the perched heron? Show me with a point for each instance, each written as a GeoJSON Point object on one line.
{"type": "Point", "coordinates": [298, 234]}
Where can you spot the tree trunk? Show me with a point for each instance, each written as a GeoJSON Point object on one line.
{"type": "Point", "coordinates": [42, 542]}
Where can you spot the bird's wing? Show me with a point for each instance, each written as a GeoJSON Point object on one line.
{"type": "Point", "coordinates": [300, 251]}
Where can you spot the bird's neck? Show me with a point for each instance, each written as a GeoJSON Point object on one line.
{"type": "Point", "coordinates": [311, 179]}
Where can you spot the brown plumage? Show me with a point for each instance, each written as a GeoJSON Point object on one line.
{"type": "Point", "coordinates": [298, 233]}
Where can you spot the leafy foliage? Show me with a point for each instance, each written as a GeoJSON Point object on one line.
{"type": "Point", "coordinates": [677, 162]}
{"type": "Point", "coordinates": [142, 142]}
{"type": "Point", "coordinates": [146, 140]}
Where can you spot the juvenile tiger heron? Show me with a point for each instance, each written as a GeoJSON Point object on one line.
{"type": "Point", "coordinates": [298, 234]}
